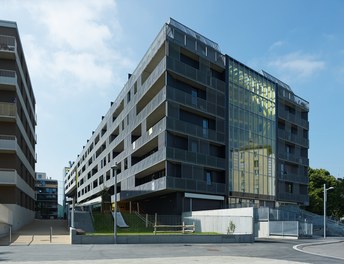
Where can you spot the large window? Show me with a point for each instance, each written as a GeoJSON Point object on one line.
{"type": "Point", "coordinates": [251, 131]}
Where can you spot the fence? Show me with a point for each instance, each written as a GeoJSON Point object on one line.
{"type": "Point", "coordinates": [290, 228]}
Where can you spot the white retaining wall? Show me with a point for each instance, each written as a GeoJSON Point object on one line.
{"type": "Point", "coordinates": [219, 220]}
{"type": "Point", "coordinates": [14, 215]}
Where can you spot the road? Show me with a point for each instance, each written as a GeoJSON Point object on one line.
{"type": "Point", "coordinates": [259, 252]}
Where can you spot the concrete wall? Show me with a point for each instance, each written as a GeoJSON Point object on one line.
{"type": "Point", "coordinates": [157, 239]}
{"type": "Point", "coordinates": [219, 220]}
{"type": "Point", "coordinates": [15, 215]}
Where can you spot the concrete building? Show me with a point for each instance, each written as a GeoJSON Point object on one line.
{"type": "Point", "coordinates": [192, 129]}
{"type": "Point", "coordinates": [17, 132]}
{"type": "Point", "coordinates": [46, 194]}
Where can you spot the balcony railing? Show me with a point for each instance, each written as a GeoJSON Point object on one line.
{"type": "Point", "coordinates": [196, 102]}
{"type": "Point", "coordinates": [294, 177]}
{"type": "Point", "coordinates": [8, 177]}
{"type": "Point", "coordinates": [199, 158]}
{"type": "Point", "coordinates": [8, 77]}
{"type": "Point", "coordinates": [8, 109]}
{"type": "Point", "coordinates": [185, 127]}
{"type": "Point", "coordinates": [293, 158]}
{"type": "Point", "coordinates": [287, 95]}
{"type": "Point", "coordinates": [152, 133]}
{"type": "Point", "coordinates": [293, 138]}
{"type": "Point", "coordinates": [293, 118]}
{"type": "Point", "coordinates": [195, 74]}
{"type": "Point", "coordinates": [7, 43]}
{"type": "Point", "coordinates": [8, 142]}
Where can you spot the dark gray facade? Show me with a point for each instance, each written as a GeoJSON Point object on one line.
{"type": "Point", "coordinates": [47, 194]}
{"type": "Point", "coordinates": [170, 131]}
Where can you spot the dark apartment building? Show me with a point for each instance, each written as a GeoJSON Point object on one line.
{"type": "Point", "coordinates": [17, 132]}
{"type": "Point", "coordinates": [46, 194]}
{"type": "Point", "coordinates": [192, 129]}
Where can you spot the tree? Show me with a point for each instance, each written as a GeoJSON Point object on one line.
{"type": "Point", "coordinates": [335, 197]}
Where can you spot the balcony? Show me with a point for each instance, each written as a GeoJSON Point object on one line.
{"type": "Point", "coordinates": [190, 129]}
{"type": "Point", "coordinates": [149, 135]}
{"type": "Point", "coordinates": [293, 158]}
{"type": "Point", "coordinates": [293, 138]}
{"type": "Point", "coordinates": [293, 118]}
{"type": "Point", "coordinates": [8, 80]}
{"type": "Point", "coordinates": [8, 177]}
{"type": "Point", "coordinates": [8, 111]}
{"type": "Point", "coordinates": [193, 185]}
{"type": "Point", "coordinates": [196, 158]}
{"type": "Point", "coordinates": [294, 177]}
{"type": "Point", "coordinates": [144, 189]}
{"type": "Point", "coordinates": [8, 143]}
{"type": "Point", "coordinates": [7, 47]}
{"type": "Point", "coordinates": [292, 197]}
{"type": "Point", "coordinates": [189, 72]}
{"type": "Point", "coordinates": [294, 99]}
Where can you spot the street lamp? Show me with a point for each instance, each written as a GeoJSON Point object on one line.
{"type": "Point", "coordinates": [114, 171]}
{"type": "Point", "coordinates": [325, 200]}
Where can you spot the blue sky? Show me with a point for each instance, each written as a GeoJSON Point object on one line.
{"type": "Point", "coordinates": [79, 54]}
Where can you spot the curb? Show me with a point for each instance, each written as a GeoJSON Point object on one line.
{"type": "Point", "coordinates": [301, 246]}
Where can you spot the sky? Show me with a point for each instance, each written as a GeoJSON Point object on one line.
{"type": "Point", "coordinates": [79, 54]}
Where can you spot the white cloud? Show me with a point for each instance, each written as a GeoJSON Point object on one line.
{"type": "Point", "coordinates": [277, 44]}
{"type": "Point", "coordinates": [297, 64]}
{"type": "Point", "coordinates": [76, 24]}
{"type": "Point", "coordinates": [78, 46]}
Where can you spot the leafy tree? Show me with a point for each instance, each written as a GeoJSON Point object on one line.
{"type": "Point", "coordinates": [335, 197]}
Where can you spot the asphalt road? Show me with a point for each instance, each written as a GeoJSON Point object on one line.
{"type": "Point", "coordinates": [262, 251]}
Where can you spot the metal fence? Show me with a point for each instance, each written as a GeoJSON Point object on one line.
{"type": "Point", "coordinates": [290, 228]}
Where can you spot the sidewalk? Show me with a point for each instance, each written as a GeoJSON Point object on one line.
{"type": "Point", "coordinates": [38, 232]}
{"type": "Point", "coordinates": [331, 247]}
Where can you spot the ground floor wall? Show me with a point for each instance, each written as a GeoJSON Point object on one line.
{"type": "Point", "coordinates": [224, 221]}
{"type": "Point", "coordinates": [15, 216]}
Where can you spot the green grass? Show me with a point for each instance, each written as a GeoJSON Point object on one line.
{"type": "Point", "coordinates": [103, 224]}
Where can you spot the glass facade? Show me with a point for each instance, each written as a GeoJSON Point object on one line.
{"type": "Point", "coordinates": [252, 133]}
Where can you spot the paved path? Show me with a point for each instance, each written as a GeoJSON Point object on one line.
{"type": "Point", "coordinates": [38, 232]}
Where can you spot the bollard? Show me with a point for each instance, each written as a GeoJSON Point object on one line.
{"type": "Point", "coordinates": [146, 220]}
{"type": "Point", "coordinates": [51, 234]}
{"type": "Point", "coordinates": [10, 234]}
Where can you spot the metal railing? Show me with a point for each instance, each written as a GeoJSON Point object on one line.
{"type": "Point", "coordinates": [290, 228]}
{"type": "Point", "coordinates": [293, 138]}
{"type": "Point", "coordinates": [195, 74]}
{"type": "Point", "coordinates": [293, 118]}
{"type": "Point", "coordinates": [293, 98]}
{"type": "Point", "coordinates": [8, 109]}
{"type": "Point", "coordinates": [7, 43]}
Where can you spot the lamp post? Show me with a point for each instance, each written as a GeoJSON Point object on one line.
{"type": "Point", "coordinates": [114, 171]}
{"type": "Point", "coordinates": [325, 201]}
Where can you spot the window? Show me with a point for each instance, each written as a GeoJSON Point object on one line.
{"type": "Point", "coordinates": [128, 97]}
{"type": "Point", "coordinates": [194, 97]}
{"type": "Point", "coordinates": [205, 127]}
{"type": "Point", "coordinates": [289, 187]}
{"type": "Point", "coordinates": [135, 87]}
{"type": "Point", "coordinates": [208, 177]}
{"type": "Point", "coordinates": [194, 146]}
